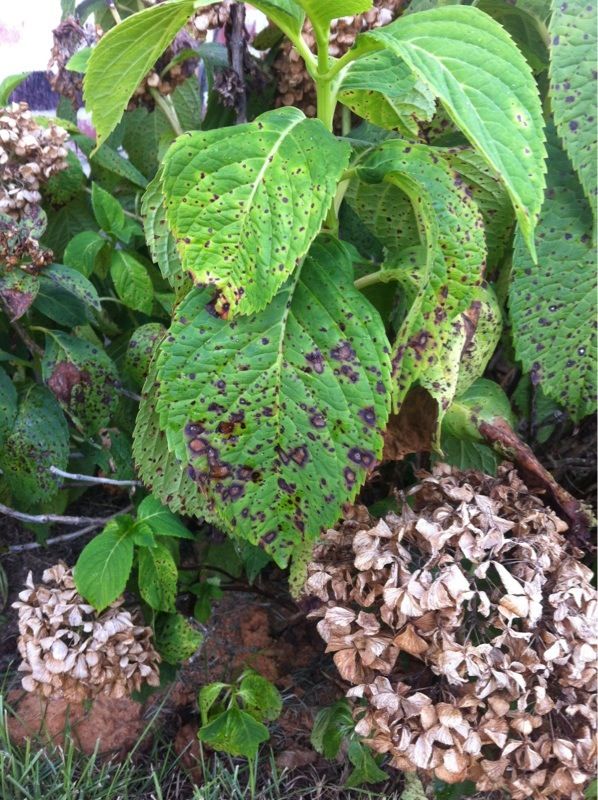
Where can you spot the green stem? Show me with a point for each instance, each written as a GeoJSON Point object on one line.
{"type": "Point", "coordinates": [371, 279]}
{"type": "Point", "coordinates": [168, 109]}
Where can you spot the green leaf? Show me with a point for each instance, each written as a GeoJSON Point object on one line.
{"type": "Point", "coordinates": [245, 203]}
{"type": "Point", "coordinates": [18, 291]}
{"type": "Point", "coordinates": [491, 198]}
{"type": "Point", "coordinates": [132, 282]}
{"type": "Point", "coordinates": [108, 211]}
{"type": "Point", "coordinates": [160, 241]}
{"type": "Point", "coordinates": [280, 414]}
{"type": "Point", "coordinates": [59, 304]}
{"type": "Point", "coordinates": [140, 350]}
{"type": "Point", "coordinates": [143, 535]}
{"type": "Point", "coordinates": [382, 89]}
{"type": "Point", "coordinates": [235, 732]}
{"type": "Point", "coordinates": [453, 791]}
{"type": "Point", "coordinates": [82, 377]}
{"type": "Point", "coordinates": [322, 12]}
{"type": "Point", "coordinates": [525, 21]}
{"type": "Point", "coordinates": [466, 454]}
{"type": "Point", "coordinates": [331, 725]}
{"type": "Point", "coordinates": [9, 84]}
{"type": "Point", "coordinates": [157, 578]}
{"type": "Point", "coordinates": [261, 698]}
{"type": "Point", "coordinates": [162, 521]}
{"type": "Point", "coordinates": [208, 695]}
{"type": "Point", "coordinates": [205, 593]}
{"type": "Point", "coordinates": [80, 60]}
{"type": "Point", "coordinates": [38, 439]}
{"type": "Point", "coordinates": [123, 57]}
{"type": "Point", "coordinates": [176, 639]}
{"type": "Point", "coordinates": [75, 283]}
{"type": "Point", "coordinates": [73, 218]}
{"type": "Point", "coordinates": [365, 768]}
{"type": "Point", "coordinates": [104, 566]}
{"type": "Point", "coordinates": [160, 471]}
{"type": "Point", "coordinates": [144, 132]}
{"type": "Point", "coordinates": [286, 14]}
{"type": "Point", "coordinates": [483, 401]}
{"type": "Point", "coordinates": [552, 305]}
{"type": "Point", "coordinates": [8, 405]}
{"type": "Point", "coordinates": [487, 87]}
{"type": "Point", "coordinates": [82, 251]}
{"type": "Point", "coordinates": [447, 308]}
{"type": "Point", "coordinates": [108, 159]}
{"type": "Point", "coordinates": [386, 214]}
{"type": "Point", "coordinates": [573, 86]}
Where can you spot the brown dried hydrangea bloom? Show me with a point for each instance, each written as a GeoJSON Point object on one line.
{"type": "Point", "coordinates": [293, 84]}
{"type": "Point", "coordinates": [468, 628]}
{"type": "Point", "coordinates": [29, 155]}
{"type": "Point", "coordinates": [70, 651]}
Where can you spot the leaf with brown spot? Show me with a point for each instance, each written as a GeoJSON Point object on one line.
{"type": "Point", "coordinates": [82, 377]}
{"type": "Point", "coordinates": [276, 471]}
{"type": "Point", "coordinates": [18, 290]}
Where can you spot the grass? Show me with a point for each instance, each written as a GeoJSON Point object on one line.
{"type": "Point", "coordinates": [40, 772]}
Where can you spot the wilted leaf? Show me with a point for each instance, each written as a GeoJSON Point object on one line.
{"type": "Point", "coordinates": [82, 378]}
{"type": "Point", "coordinates": [18, 290]}
{"type": "Point", "coordinates": [157, 577]}
{"type": "Point", "coordinates": [176, 639]}
{"type": "Point", "coordinates": [235, 732]}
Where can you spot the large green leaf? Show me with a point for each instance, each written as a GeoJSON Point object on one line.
{"type": "Point", "coordinates": [381, 88]}
{"type": "Point", "coordinates": [573, 85]}
{"type": "Point", "coordinates": [280, 414]}
{"type": "Point", "coordinates": [82, 378]}
{"type": "Point", "coordinates": [245, 203]}
{"type": "Point", "coordinates": [103, 568]}
{"type": "Point", "coordinates": [83, 250]}
{"type": "Point", "coordinates": [552, 304]}
{"type": "Point", "coordinates": [235, 732]}
{"type": "Point", "coordinates": [73, 282]}
{"type": "Point", "coordinates": [487, 87]}
{"type": "Point", "coordinates": [123, 57]}
{"type": "Point", "coordinates": [446, 299]}
{"type": "Point", "coordinates": [322, 12]}
{"type": "Point", "coordinates": [38, 440]}
{"type": "Point", "coordinates": [157, 577]}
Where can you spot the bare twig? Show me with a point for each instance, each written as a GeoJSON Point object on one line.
{"type": "Point", "coordinates": [45, 518]}
{"type": "Point", "coordinates": [237, 47]}
{"type": "Point", "coordinates": [68, 537]}
{"type": "Point", "coordinates": [92, 478]}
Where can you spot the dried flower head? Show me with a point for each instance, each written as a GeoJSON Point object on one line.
{"type": "Point", "coordinates": [70, 651]}
{"type": "Point", "coordinates": [467, 627]}
{"type": "Point", "coordinates": [29, 155]}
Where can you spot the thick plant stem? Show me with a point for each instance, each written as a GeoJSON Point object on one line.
{"type": "Point", "coordinates": [371, 279]}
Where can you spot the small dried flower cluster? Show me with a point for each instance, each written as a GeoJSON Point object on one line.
{"type": "Point", "coordinates": [29, 155]}
{"type": "Point", "coordinates": [468, 630]}
{"type": "Point", "coordinates": [19, 246]}
{"type": "Point", "coordinates": [69, 37]}
{"type": "Point", "coordinates": [294, 86]}
{"type": "Point", "coordinates": [70, 651]}
{"type": "Point", "coordinates": [210, 19]}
